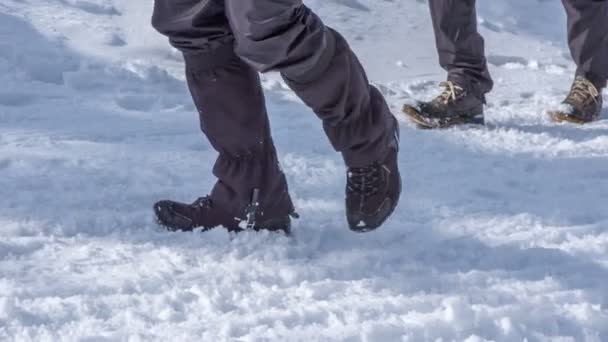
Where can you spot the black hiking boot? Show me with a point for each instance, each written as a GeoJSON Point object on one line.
{"type": "Point", "coordinates": [583, 104]}
{"type": "Point", "coordinates": [454, 106]}
{"type": "Point", "coordinates": [202, 213]}
{"type": "Point", "coordinates": [372, 193]}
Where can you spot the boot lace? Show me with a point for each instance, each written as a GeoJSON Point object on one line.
{"type": "Point", "coordinates": [582, 90]}
{"type": "Point", "coordinates": [451, 92]}
{"type": "Point", "coordinates": [364, 181]}
{"type": "Point", "coordinates": [203, 202]}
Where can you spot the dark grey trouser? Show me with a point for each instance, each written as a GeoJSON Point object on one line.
{"type": "Point", "coordinates": [225, 43]}
{"type": "Point", "coordinates": [461, 47]}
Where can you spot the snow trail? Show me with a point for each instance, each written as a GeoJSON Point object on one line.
{"type": "Point", "coordinates": [502, 233]}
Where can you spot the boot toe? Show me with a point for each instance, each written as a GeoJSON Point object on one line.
{"type": "Point", "coordinates": [167, 217]}
{"type": "Point", "coordinates": [362, 222]}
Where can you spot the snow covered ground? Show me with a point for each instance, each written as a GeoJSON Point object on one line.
{"type": "Point", "coordinates": [502, 233]}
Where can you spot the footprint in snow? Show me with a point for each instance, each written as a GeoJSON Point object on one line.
{"type": "Point", "coordinates": [354, 4]}
{"type": "Point", "coordinates": [141, 103]}
{"type": "Point", "coordinates": [93, 8]}
{"type": "Point", "coordinates": [16, 99]}
{"type": "Point", "coordinates": [5, 163]}
{"type": "Point", "coordinates": [517, 62]}
{"type": "Point", "coordinates": [501, 61]}
{"type": "Point", "coordinates": [116, 40]}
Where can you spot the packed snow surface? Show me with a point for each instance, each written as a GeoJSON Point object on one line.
{"type": "Point", "coordinates": [502, 232]}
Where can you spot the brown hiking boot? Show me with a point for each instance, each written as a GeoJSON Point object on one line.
{"type": "Point", "coordinates": [202, 213]}
{"type": "Point", "coordinates": [372, 193]}
{"type": "Point", "coordinates": [456, 105]}
{"type": "Point", "coordinates": [583, 104]}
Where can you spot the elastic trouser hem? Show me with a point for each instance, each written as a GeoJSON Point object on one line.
{"type": "Point", "coordinates": [239, 177]}
{"type": "Point", "coordinates": [599, 82]}
{"type": "Point", "coordinates": [378, 148]}
{"type": "Point", "coordinates": [477, 87]}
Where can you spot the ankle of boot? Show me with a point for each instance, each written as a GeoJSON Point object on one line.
{"type": "Point", "coordinates": [600, 82]}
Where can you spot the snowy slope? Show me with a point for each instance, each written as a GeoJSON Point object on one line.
{"type": "Point", "coordinates": [502, 233]}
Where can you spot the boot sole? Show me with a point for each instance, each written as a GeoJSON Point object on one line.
{"type": "Point", "coordinates": [390, 213]}
{"type": "Point", "coordinates": [423, 122]}
{"type": "Point", "coordinates": [561, 117]}
{"type": "Point", "coordinates": [159, 222]}
{"type": "Point", "coordinates": [286, 230]}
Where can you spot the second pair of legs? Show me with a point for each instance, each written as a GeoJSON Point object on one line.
{"type": "Point", "coordinates": [462, 55]}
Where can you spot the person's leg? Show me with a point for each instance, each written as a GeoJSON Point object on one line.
{"type": "Point", "coordinates": [459, 44]}
{"type": "Point", "coordinates": [231, 105]}
{"type": "Point", "coordinates": [461, 54]}
{"type": "Point", "coordinates": [317, 63]}
{"type": "Point", "coordinates": [588, 38]}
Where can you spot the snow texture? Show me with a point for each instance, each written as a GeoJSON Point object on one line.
{"type": "Point", "coordinates": [502, 233]}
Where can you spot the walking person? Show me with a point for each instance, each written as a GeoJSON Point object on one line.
{"type": "Point", "coordinates": [461, 54]}
{"type": "Point", "coordinates": [225, 43]}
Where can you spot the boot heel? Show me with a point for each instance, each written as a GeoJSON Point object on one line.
{"type": "Point", "coordinates": [478, 120]}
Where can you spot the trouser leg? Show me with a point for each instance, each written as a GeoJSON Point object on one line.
{"type": "Point", "coordinates": [588, 38]}
{"type": "Point", "coordinates": [459, 44]}
{"type": "Point", "coordinates": [320, 67]}
{"type": "Point", "coordinates": [231, 105]}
